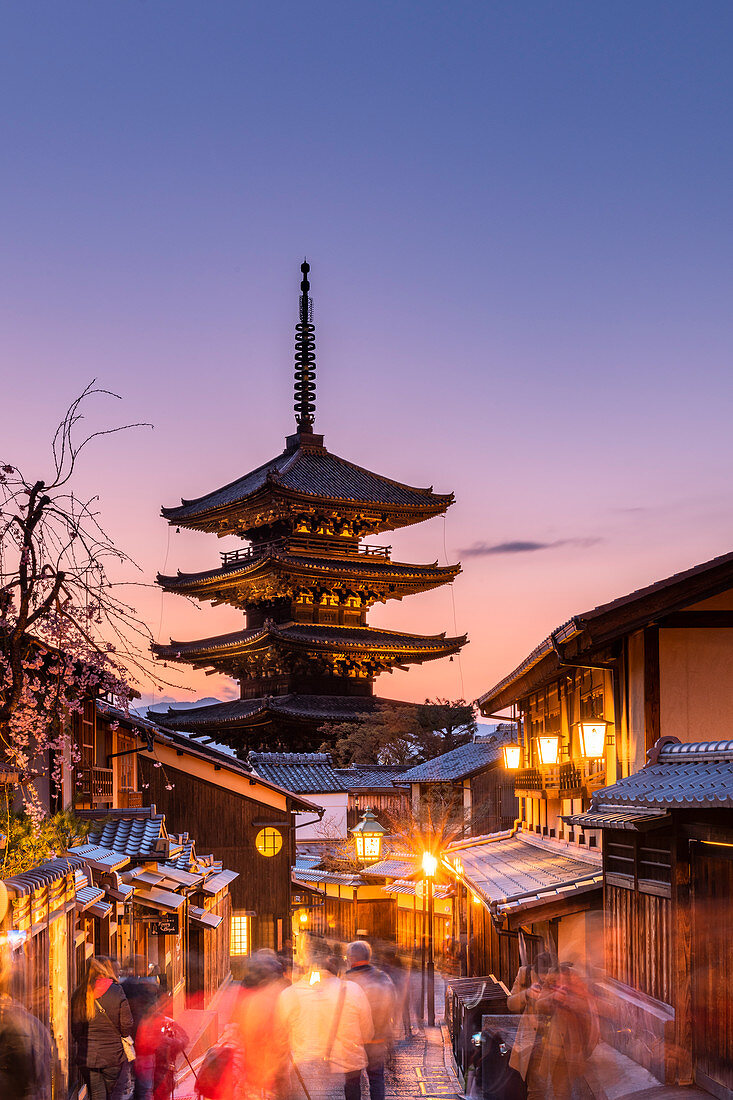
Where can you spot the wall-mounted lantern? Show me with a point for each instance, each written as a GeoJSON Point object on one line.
{"type": "Point", "coordinates": [368, 836]}
{"type": "Point", "coordinates": [549, 749]}
{"type": "Point", "coordinates": [593, 738]}
{"type": "Point", "coordinates": [512, 757]}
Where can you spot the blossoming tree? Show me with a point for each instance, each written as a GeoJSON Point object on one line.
{"type": "Point", "coordinates": [66, 633]}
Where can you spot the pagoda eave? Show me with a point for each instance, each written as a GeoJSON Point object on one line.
{"type": "Point", "coordinates": [240, 722]}
{"type": "Point", "coordinates": [274, 502]}
{"type": "Point", "coordinates": [273, 576]}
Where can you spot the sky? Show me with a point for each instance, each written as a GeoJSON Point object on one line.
{"type": "Point", "coordinates": [518, 217]}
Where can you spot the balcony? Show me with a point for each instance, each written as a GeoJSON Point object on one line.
{"type": "Point", "coordinates": [528, 779]}
{"type": "Point", "coordinates": [302, 544]}
{"type": "Point", "coordinates": [566, 780]}
{"type": "Point", "coordinates": [94, 785]}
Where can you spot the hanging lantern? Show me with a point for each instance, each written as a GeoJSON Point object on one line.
{"type": "Point", "coordinates": [593, 738]}
{"type": "Point", "coordinates": [512, 757]}
{"type": "Point", "coordinates": [549, 749]}
{"type": "Point", "coordinates": [368, 835]}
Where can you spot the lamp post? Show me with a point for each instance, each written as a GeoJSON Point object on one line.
{"type": "Point", "coordinates": [368, 835]}
{"type": "Point", "coordinates": [430, 866]}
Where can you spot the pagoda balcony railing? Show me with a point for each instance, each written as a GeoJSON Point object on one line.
{"type": "Point", "coordinates": [248, 553]}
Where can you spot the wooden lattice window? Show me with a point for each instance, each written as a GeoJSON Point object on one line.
{"type": "Point", "coordinates": [239, 943]}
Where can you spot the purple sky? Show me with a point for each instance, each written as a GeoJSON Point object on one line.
{"type": "Point", "coordinates": [519, 223]}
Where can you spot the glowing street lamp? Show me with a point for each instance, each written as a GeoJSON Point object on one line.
{"type": "Point", "coordinates": [512, 757]}
{"type": "Point", "coordinates": [593, 738]}
{"type": "Point", "coordinates": [429, 864]}
{"type": "Point", "coordinates": [368, 836]}
{"type": "Point", "coordinates": [549, 749]}
{"type": "Point", "coordinates": [429, 867]}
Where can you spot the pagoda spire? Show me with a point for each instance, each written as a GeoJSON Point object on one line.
{"type": "Point", "coordinates": [305, 358]}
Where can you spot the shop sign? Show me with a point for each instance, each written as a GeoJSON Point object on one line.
{"type": "Point", "coordinates": [166, 926]}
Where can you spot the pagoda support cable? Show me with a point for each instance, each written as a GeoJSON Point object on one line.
{"type": "Point", "coordinates": [305, 358]}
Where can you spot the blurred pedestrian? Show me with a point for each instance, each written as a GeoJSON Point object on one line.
{"type": "Point", "coordinates": [380, 993]}
{"type": "Point", "coordinates": [572, 1034]}
{"type": "Point", "coordinates": [399, 975]}
{"type": "Point", "coordinates": [25, 1044]}
{"type": "Point", "coordinates": [160, 1041]}
{"type": "Point", "coordinates": [101, 1023]}
{"type": "Point", "coordinates": [261, 1033]}
{"type": "Point", "coordinates": [528, 1048]}
{"type": "Point", "coordinates": [327, 1023]}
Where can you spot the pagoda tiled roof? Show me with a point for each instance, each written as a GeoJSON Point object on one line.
{"type": "Point", "coordinates": [367, 567]}
{"type": "Point", "coordinates": [315, 473]}
{"type": "Point", "coordinates": [241, 713]}
{"type": "Point", "coordinates": [352, 639]}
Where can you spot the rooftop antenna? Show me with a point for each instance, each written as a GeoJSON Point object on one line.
{"type": "Point", "coordinates": [305, 358]}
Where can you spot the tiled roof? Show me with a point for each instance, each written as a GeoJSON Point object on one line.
{"type": "Point", "coordinates": [312, 636]}
{"type": "Point", "coordinates": [616, 617]}
{"type": "Point", "coordinates": [372, 777]}
{"type": "Point", "coordinates": [458, 763]}
{"type": "Point", "coordinates": [309, 875]}
{"type": "Point", "coordinates": [393, 868]}
{"type": "Point", "coordinates": [298, 771]}
{"type": "Point", "coordinates": [515, 868]}
{"type": "Point", "coordinates": [101, 859]}
{"type": "Point", "coordinates": [138, 836]}
{"type": "Point", "coordinates": [323, 708]}
{"type": "Point", "coordinates": [692, 776]}
{"type": "Point", "coordinates": [315, 473]}
{"type": "Point", "coordinates": [43, 875]}
{"type": "Point", "coordinates": [407, 886]}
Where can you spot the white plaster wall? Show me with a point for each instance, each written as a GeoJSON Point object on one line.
{"type": "Point", "coordinates": [696, 684]}
{"type": "Point", "coordinates": [334, 819]}
{"type": "Point", "coordinates": [633, 755]}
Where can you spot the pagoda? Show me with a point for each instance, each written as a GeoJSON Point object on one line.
{"type": "Point", "coordinates": [305, 580]}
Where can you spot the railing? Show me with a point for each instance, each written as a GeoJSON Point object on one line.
{"type": "Point", "coordinates": [369, 550]}
{"type": "Point", "coordinates": [94, 785]}
{"type": "Point", "coordinates": [528, 779]}
{"type": "Point", "coordinates": [562, 778]}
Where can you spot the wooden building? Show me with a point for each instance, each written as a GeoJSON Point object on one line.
{"type": "Point", "coordinates": [668, 889]}
{"type": "Point", "coordinates": [591, 701]}
{"type": "Point", "coordinates": [379, 786]}
{"type": "Point", "coordinates": [305, 582]}
{"type": "Point", "coordinates": [470, 782]}
{"type": "Point", "coordinates": [313, 775]}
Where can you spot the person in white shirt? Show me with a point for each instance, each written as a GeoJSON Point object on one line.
{"type": "Point", "coordinates": [328, 1022]}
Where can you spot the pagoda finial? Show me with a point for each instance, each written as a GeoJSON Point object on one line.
{"type": "Point", "coordinates": [305, 358]}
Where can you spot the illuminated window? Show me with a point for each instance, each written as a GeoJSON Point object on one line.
{"type": "Point", "coordinates": [239, 943]}
{"type": "Point", "coordinates": [268, 842]}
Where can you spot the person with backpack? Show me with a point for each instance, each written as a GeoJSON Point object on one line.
{"type": "Point", "coordinates": [101, 1023]}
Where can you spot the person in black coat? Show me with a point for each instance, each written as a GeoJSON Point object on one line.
{"type": "Point", "coordinates": [100, 1016]}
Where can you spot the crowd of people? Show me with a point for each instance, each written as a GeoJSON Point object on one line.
{"type": "Point", "coordinates": [306, 1038]}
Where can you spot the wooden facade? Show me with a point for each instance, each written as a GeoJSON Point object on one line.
{"type": "Point", "coordinates": [227, 823]}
